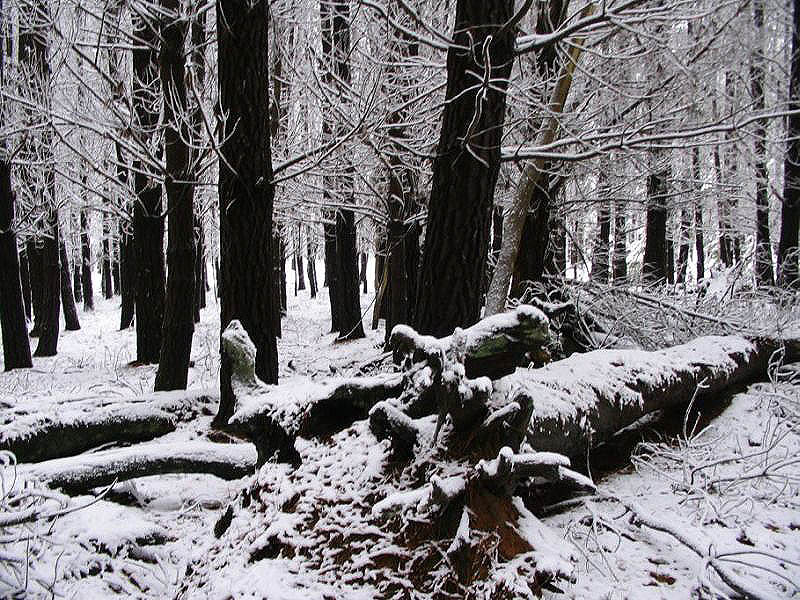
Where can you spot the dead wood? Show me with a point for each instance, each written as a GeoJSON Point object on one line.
{"type": "Point", "coordinates": [86, 471]}
{"type": "Point", "coordinates": [72, 425]}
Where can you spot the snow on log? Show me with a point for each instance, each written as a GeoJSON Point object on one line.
{"type": "Point", "coordinates": [67, 426]}
{"type": "Point", "coordinates": [583, 400]}
{"type": "Point", "coordinates": [86, 471]}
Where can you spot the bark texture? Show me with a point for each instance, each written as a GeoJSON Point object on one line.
{"type": "Point", "coordinates": [246, 195]}
{"type": "Point", "coordinates": [465, 169]}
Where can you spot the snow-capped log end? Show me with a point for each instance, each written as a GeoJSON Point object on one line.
{"type": "Point", "coordinates": [241, 352]}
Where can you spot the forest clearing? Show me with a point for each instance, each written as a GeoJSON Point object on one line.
{"type": "Point", "coordinates": [400, 299]}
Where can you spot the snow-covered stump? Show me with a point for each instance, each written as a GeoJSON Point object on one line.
{"type": "Point", "coordinates": [87, 471]}
{"type": "Point", "coordinates": [67, 426]}
{"type": "Point", "coordinates": [582, 401]}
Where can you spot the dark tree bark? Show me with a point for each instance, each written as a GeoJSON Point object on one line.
{"type": "Point", "coordinates": [71, 322]}
{"type": "Point", "coordinates": [33, 251]}
{"type": "Point", "coordinates": [115, 263]}
{"type": "Point", "coordinates": [699, 246]}
{"type": "Point", "coordinates": [16, 347]}
{"type": "Point", "coordinates": [683, 246]}
{"type": "Point", "coordinates": [362, 277]}
{"type": "Point", "coordinates": [181, 295]}
{"type": "Point", "coordinates": [620, 260]}
{"type": "Point", "coordinates": [86, 263]}
{"type": "Point", "coordinates": [670, 256]}
{"type": "Point", "coordinates": [127, 263]}
{"type": "Point", "coordinates": [77, 287]}
{"type": "Point", "coordinates": [532, 256]}
{"type": "Point", "coordinates": [301, 278]}
{"type": "Point", "coordinates": [344, 278]}
{"type": "Point", "coordinates": [282, 263]}
{"type": "Point", "coordinates": [350, 326]}
{"type": "Point", "coordinates": [148, 220]}
{"type": "Point", "coordinates": [655, 267]}
{"type": "Point", "coordinates": [600, 255]}
{"type": "Point", "coordinates": [50, 286]}
{"type": "Point", "coordinates": [765, 274]}
{"type": "Point", "coordinates": [312, 266]}
{"type": "Point", "coordinates": [25, 278]}
{"type": "Point", "coordinates": [460, 207]}
{"type": "Point", "coordinates": [788, 272]}
{"type": "Point", "coordinates": [247, 289]}
{"type": "Point", "coordinates": [277, 274]}
{"type": "Point", "coordinates": [106, 283]}
{"type": "Point", "coordinates": [199, 268]}
{"type": "Point", "coordinates": [198, 35]}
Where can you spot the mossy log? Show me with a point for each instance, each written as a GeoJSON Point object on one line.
{"type": "Point", "coordinates": [87, 471]}
{"type": "Point", "coordinates": [41, 431]}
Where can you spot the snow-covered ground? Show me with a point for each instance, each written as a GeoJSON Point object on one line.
{"type": "Point", "coordinates": [733, 490]}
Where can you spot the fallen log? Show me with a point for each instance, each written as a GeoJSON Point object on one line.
{"type": "Point", "coordinates": [272, 417]}
{"type": "Point", "coordinates": [87, 471]}
{"type": "Point", "coordinates": [72, 425]}
{"type": "Point", "coordinates": [582, 401]}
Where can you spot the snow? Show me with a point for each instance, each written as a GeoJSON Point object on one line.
{"type": "Point", "coordinates": [330, 528]}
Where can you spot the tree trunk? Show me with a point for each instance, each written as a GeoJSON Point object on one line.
{"type": "Point", "coordinates": [115, 262]}
{"type": "Point", "coordinates": [655, 267]}
{"type": "Point", "coordinates": [33, 250]}
{"type": "Point", "coordinates": [465, 169]}
{"type": "Point", "coordinates": [362, 277]}
{"type": "Point", "coordinates": [247, 288]}
{"type": "Point", "coordinates": [25, 279]}
{"type": "Point", "coordinates": [683, 246]}
{"type": "Point", "coordinates": [600, 256]}
{"type": "Point", "coordinates": [349, 321]}
{"type": "Point", "coordinates": [148, 220]}
{"type": "Point", "coordinates": [181, 294]}
{"type": "Point", "coordinates": [620, 261]}
{"type": "Point", "coordinates": [50, 286]}
{"type": "Point", "coordinates": [16, 346]}
{"type": "Point", "coordinates": [699, 246]}
{"type": "Point", "coordinates": [301, 277]}
{"type": "Point", "coordinates": [77, 286]}
{"type": "Point", "coordinates": [765, 275]}
{"type": "Point", "coordinates": [71, 322]}
{"type": "Point", "coordinates": [789, 274]}
{"type": "Point", "coordinates": [530, 263]}
{"type": "Point", "coordinates": [127, 263]}
{"type": "Point", "coordinates": [312, 265]}
{"type": "Point", "coordinates": [86, 263]}
{"type": "Point", "coordinates": [106, 283]}
{"type": "Point", "coordinates": [199, 300]}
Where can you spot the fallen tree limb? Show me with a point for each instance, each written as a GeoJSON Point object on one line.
{"type": "Point", "coordinates": [272, 417]}
{"type": "Point", "coordinates": [80, 473]}
{"type": "Point", "coordinates": [69, 426]}
{"type": "Point", "coordinates": [583, 400]}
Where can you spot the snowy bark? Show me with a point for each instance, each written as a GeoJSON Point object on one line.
{"type": "Point", "coordinates": [583, 400]}
{"type": "Point", "coordinates": [515, 218]}
{"type": "Point", "coordinates": [80, 473]}
{"type": "Point", "coordinates": [77, 425]}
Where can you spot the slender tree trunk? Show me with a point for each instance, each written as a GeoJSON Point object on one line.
{"type": "Point", "coordinates": [600, 256]}
{"type": "Point", "coordinates": [71, 322]}
{"type": "Point", "coordinates": [25, 278]}
{"type": "Point", "coordinates": [77, 288]}
{"type": "Point", "coordinates": [181, 297]}
{"type": "Point", "coordinates": [312, 266]}
{"type": "Point", "coordinates": [620, 261]}
{"type": "Point", "coordinates": [247, 289]}
{"type": "Point", "coordinates": [199, 268]}
{"type": "Point", "coordinates": [198, 42]}
{"type": "Point", "coordinates": [655, 264]}
{"type": "Point", "coordinates": [106, 284]}
{"type": "Point", "coordinates": [362, 277]}
{"type": "Point", "coordinates": [277, 274]}
{"type": "Point", "coordinates": [148, 220]}
{"type": "Point", "coordinates": [115, 262]}
{"type": "Point", "coordinates": [16, 347]}
{"type": "Point", "coordinates": [465, 169]}
{"type": "Point", "coordinates": [683, 246]}
{"type": "Point", "coordinates": [86, 263]}
{"type": "Point", "coordinates": [699, 246]}
{"type": "Point", "coordinates": [33, 249]}
{"type": "Point", "coordinates": [350, 325]}
{"type": "Point", "coordinates": [282, 255]}
{"type": "Point", "coordinates": [301, 278]}
{"type": "Point", "coordinates": [765, 275]}
{"type": "Point", "coordinates": [50, 286]}
{"type": "Point", "coordinates": [531, 258]}
{"type": "Point", "coordinates": [788, 271]}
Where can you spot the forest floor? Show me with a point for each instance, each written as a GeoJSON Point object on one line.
{"type": "Point", "coordinates": [732, 488]}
